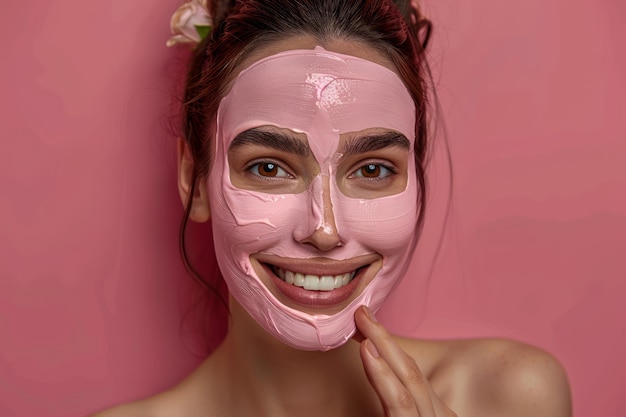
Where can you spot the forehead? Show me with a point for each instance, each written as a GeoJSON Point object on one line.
{"type": "Point", "coordinates": [317, 92]}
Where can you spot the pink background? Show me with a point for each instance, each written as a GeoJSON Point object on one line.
{"type": "Point", "coordinates": [93, 298]}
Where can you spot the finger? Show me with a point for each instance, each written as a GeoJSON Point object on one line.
{"type": "Point", "coordinates": [402, 365]}
{"type": "Point", "coordinates": [396, 399]}
{"type": "Point", "coordinates": [358, 336]}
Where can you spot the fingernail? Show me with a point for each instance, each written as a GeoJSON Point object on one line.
{"type": "Point", "coordinates": [369, 314]}
{"type": "Point", "coordinates": [371, 348]}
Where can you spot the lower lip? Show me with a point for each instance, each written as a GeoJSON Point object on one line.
{"type": "Point", "coordinates": [310, 298]}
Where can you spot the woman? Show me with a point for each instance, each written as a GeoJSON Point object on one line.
{"type": "Point", "coordinates": [305, 136]}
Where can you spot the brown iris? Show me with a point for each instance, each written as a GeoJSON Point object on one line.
{"type": "Point", "coordinates": [370, 170]}
{"type": "Point", "coordinates": [268, 169]}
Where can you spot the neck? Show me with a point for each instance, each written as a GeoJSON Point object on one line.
{"type": "Point", "coordinates": [271, 378]}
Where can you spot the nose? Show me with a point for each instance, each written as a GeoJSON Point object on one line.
{"type": "Point", "coordinates": [320, 228]}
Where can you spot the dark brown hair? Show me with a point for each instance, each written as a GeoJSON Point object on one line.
{"type": "Point", "coordinates": [396, 29]}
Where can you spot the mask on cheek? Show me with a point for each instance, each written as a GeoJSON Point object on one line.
{"type": "Point", "coordinates": [321, 94]}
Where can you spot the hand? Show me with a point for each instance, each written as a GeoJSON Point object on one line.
{"type": "Point", "coordinates": [395, 376]}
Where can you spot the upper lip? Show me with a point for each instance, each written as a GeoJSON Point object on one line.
{"type": "Point", "coordinates": [318, 266]}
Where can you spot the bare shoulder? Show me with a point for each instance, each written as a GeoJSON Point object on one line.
{"type": "Point", "coordinates": [526, 381]}
{"type": "Point", "coordinates": [497, 377]}
{"type": "Point", "coordinates": [157, 406]}
{"type": "Point", "coordinates": [189, 398]}
{"type": "Point", "coordinates": [125, 410]}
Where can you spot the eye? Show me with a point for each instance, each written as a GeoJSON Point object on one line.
{"type": "Point", "coordinates": [268, 169]}
{"type": "Point", "coordinates": [372, 171]}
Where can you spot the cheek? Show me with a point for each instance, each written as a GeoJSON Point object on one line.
{"type": "Point", "coordinates": [386, 225]}
{"type": "Point", "coordinates": [255, 220]}
{"type": "Point", "coordinates": [247, 222]}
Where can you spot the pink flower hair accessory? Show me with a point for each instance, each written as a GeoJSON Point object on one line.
{"type": "Point", "coordinates": [190, 23]}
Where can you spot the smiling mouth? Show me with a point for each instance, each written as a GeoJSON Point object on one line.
{"type": "Point", "coordinates": [313, 282]}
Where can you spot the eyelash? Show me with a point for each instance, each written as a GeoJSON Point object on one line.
{"type": "Point", "coordinates": [391, 171]}
{"type": "Point", "coordinates": [250, 168]}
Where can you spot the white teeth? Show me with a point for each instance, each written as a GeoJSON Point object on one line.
{"type": "Point", "coordinates": [311, 282]}
{"type": "Point", "coordinates": [338, 281]}
{"type": "Point", "coordinates": [298, 280]}
{"type": "Point", "coordinates": [347, 278]}
{"type": "Point", "coordinates": [315, 282]}
{"type": "Point", "coordinates": [327, 283]}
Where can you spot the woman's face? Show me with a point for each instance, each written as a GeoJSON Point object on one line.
{"type": "Point", "coordinates": [313, 192]}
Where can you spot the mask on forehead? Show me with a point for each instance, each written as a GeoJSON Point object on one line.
{"type": "Point", "coordinates": [321, 94]}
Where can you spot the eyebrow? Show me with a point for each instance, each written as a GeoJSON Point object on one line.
{"type": "Point", "coordinates": [276, 140]}
{"type": "Point", "coordinates": [367, 143]}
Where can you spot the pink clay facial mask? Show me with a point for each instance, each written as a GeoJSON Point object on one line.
{"type": "Point", "coordinates": [321, 94]}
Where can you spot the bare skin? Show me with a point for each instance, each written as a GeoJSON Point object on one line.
{"type": "Point", "coordinates": [375, 374]}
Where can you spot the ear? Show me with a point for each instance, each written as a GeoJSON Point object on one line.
{"type": "Point", "coordinates": [200, 210]}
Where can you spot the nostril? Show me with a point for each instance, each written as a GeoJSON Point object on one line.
{"type": "Point", "coordinates": [325, 238]}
